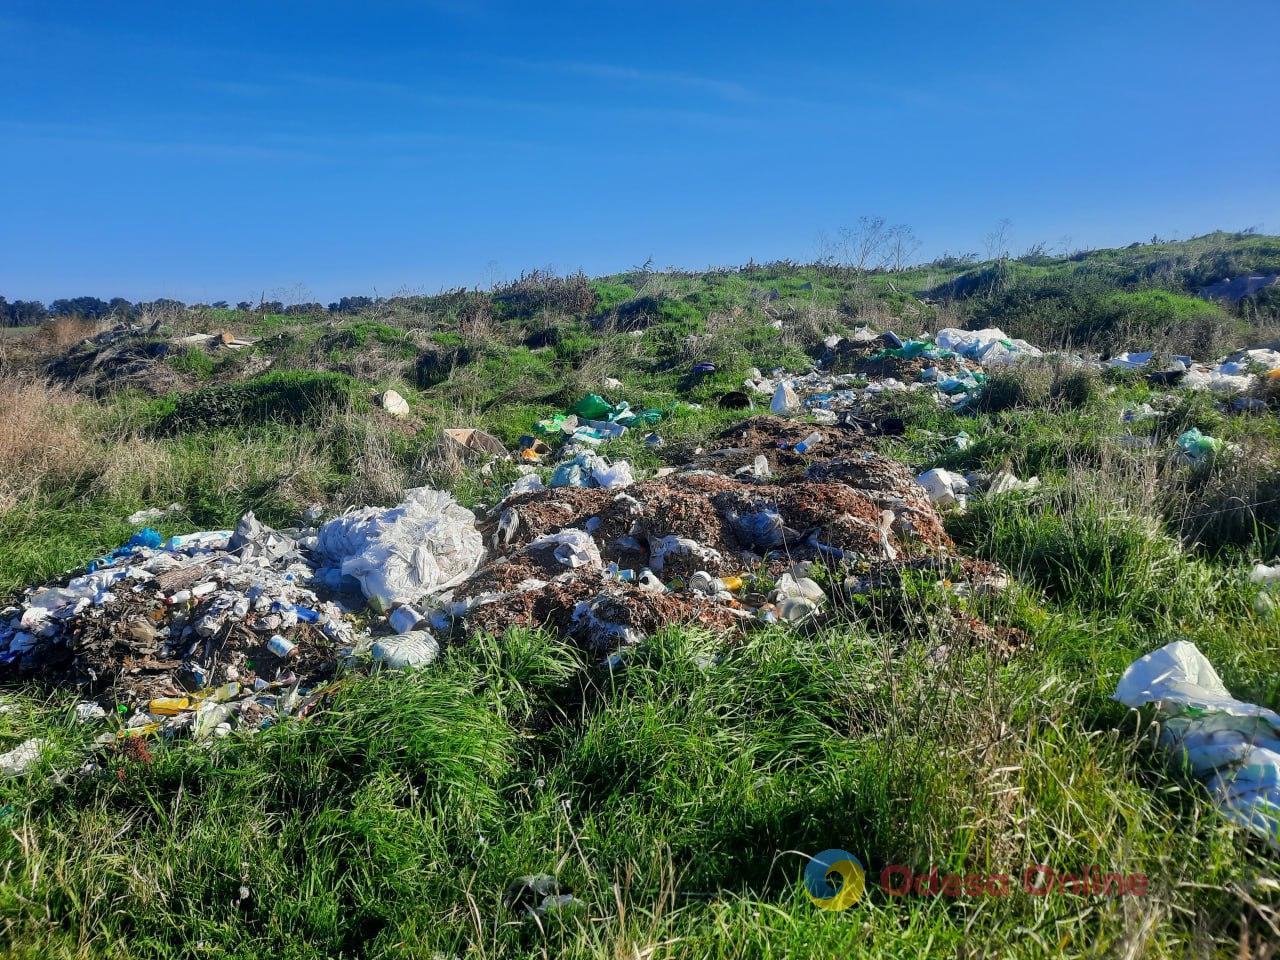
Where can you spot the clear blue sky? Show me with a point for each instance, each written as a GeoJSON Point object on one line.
{"type": "Point", "coordinates": [309, 149]}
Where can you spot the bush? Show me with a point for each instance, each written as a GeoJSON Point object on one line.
{"type": "Point", "coordinates": [1024, 384]}
{"type": "Point", "coordinates": [292, 397]}
{"type": "Point", "coordinates": [1035, 383]}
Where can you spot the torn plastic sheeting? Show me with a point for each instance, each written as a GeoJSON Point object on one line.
{"type": "Point", "coordinates": [588, 469]}
{"type": "Point", "coordinates": [526, 484]}
{"type": "Point", "coordinates": [989, 347]}
{"type": "Point", "coordinates": [573, 548]}
{"type": "Point", "coordinates": [1216, 381]}
{"type": "Point", "coordinates": [251, 539]}
{"type": "Point", "coordinates": [672, 546]}
{"type": "Point", "coordinates": [426, 545]}
{"type": "Point", "coordinates": [1243, 360]}
{"type": "Point", "coordinates": [1231, 746]}
{"type": "Point", "coordinates": [1007, 482]}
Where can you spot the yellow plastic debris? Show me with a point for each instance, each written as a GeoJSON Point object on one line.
{"type": "Point", "coordinates": [169, 706]}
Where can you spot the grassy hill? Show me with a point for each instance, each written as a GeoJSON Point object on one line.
{"type": "Point", "coordinates": [675, 799]}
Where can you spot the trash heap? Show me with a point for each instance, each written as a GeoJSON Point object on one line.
{"type": "Point", "coordinates": [1240, 372]}
{"type": "Point", "coordinates": [592, 421]}
{"type": "Point", "coordinates": [953, 366]}
{"type": "Point", "coordinates": [204, 633]}
{"type": "Point", "coordinates": [194, 634]}
{"type": "Point", "coordinates": [729, 539]}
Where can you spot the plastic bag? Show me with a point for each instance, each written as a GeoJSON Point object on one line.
{"type": "Point", "coordinates": [593, 407]}
{"type": "Point", "coordinates": [785, 401]}
{"type": "Point", "coordinates": [425, 546]}
{"type": "Point", "coordinates": [574, 548]}
{"type": "Point", "coordinates": [1231, 746]}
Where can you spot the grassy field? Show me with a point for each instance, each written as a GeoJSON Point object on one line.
{"type": "Point", "coordinates": [677, 799]}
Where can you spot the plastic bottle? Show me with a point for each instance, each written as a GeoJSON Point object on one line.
{"type": "Point", "coordinates": [809, 442]}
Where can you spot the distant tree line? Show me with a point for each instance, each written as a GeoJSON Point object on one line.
{"type": "Point", "coordinates": [26, 313]}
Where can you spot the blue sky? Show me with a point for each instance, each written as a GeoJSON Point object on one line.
{"type": "Point", "coordinates": [305, 150]}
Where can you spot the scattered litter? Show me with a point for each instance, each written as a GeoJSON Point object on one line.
{"type": "Point", "coordinates": [1230, 746]}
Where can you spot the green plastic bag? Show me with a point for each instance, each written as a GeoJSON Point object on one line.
{"type": "Point", "coordinates": [593, 407]}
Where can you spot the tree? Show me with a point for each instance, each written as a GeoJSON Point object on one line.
{"type": "Point", "coordinates": [899, 245]}
{"type": "Point", "coordinates": [862, 243]}
{"type": "Point", "coordinates": [88, 307]}
{"type": "Point", "coordinates": [997, 241]}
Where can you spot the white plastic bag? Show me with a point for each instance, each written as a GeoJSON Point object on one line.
{"type": "Point", "coordinates": [785, 401]}
{"type": "Point", "coordinates": [425, 546]}
{"type": "Point", "coordinates": [574, 548]}
{"type": "Point", "coordinates": [1232, 746]}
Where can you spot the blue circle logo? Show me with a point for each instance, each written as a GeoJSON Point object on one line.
{"type": "Point", "coordinates": [834, 880]}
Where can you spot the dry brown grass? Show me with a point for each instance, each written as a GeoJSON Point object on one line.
{"type": "Point", "coordinates": [40, 437]}
{"type": "Point", "coordinates": [62, 332]}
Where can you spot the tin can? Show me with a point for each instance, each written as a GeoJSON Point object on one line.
{"type": "Point", "coordinates": [281, 647]}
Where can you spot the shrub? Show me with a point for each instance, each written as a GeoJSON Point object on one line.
{"type": "Point", "coordinates": [1026, 384]}
{"type": "Point", "coordinates": [292, 397]}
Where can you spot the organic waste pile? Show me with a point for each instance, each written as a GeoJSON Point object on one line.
{"type": "Point", "coordinates": [202, 633]}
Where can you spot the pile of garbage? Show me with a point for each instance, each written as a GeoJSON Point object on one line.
{"type": "Point", "coordinates": [1231, 746]}
{"type": "Point", "coordinates": [197, 633]}
{"type": "Point", "coordinates": [592, 421]}
{"type": "Point", "coordinates": [729, 538]}
{"type": "Point", "coordinates": [203, 633]}
{"type": "Point", "coordinates": [953, 366]}
{"type": "Point", "coordinates": [1237, 373]}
